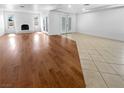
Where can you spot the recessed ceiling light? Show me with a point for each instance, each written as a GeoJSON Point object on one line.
{"type": "Point", "coordinates": [69, 6]}
{"type": "Point", "coordinates": [86, 4]}
{"type": "Point", "coordinates": [83, 9]}
{"type": "Point", "coordinates": [22, 6]}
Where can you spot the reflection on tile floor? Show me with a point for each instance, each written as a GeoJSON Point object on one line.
{"type": "Point", "coordinates": [102, 60]}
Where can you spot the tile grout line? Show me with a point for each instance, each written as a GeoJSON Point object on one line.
{"type": "Point", "coordinates": [119, 74]}
{"type": "Point", "coordinates": [112, 67]}
{"type": "Point", "coordinates": [107, 63]}
{"type": "Point", "coordinates": [99, 72]}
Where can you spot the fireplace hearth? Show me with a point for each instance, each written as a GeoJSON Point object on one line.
{"type": "Point", "coordinates": [25, 27]}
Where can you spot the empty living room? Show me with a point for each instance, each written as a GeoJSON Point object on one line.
{"type": "Point", "coordinates": [61, 45]}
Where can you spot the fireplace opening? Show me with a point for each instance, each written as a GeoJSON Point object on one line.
{"type": "Point", "coordinates": [25, 27]}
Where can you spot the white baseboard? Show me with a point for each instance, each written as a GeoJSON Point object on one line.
{"type": "Point", "coordinates": [105, 36]}
{"type": "Point", "coordinates": [25, 31]}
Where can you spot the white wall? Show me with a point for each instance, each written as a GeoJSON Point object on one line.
{"type": "Point", "coordinates": [1, 23]}
{"type": "Point", "coordinates": [55, 24]}
{"type": "Point", "coordinates": [22, 18]}
{"type": "Point", "coordinates": [73, 23]}
{"type": "Point", "coordinates": [109, 23]}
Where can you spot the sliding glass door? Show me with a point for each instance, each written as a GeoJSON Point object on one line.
{"type": "Point", "coordinates": [65, 24]}
{"type": "Point", "coordinates": [63, 30]}
{"type": "Point", "coordinates": [69, 24]}
{"type": "Point", "coordinates": [45, 24]}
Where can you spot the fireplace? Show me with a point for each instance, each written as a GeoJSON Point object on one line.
{"type": "Point", "coordinates": [25, 27]}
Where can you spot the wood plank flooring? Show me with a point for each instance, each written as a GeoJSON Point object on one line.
{"type": "Point", "coordinates": [38, 60]}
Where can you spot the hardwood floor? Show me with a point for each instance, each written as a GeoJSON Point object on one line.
{"type": "Point", "coordinates": [38, 60]}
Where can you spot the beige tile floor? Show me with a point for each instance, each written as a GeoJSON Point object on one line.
{"type": "Point", "coordinates": [102, 60]}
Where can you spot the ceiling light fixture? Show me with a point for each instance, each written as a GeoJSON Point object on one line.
{"type": "Point", "coordinates": [84, 10]}
{"type": "Point", "coordinates": [69, 6]}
